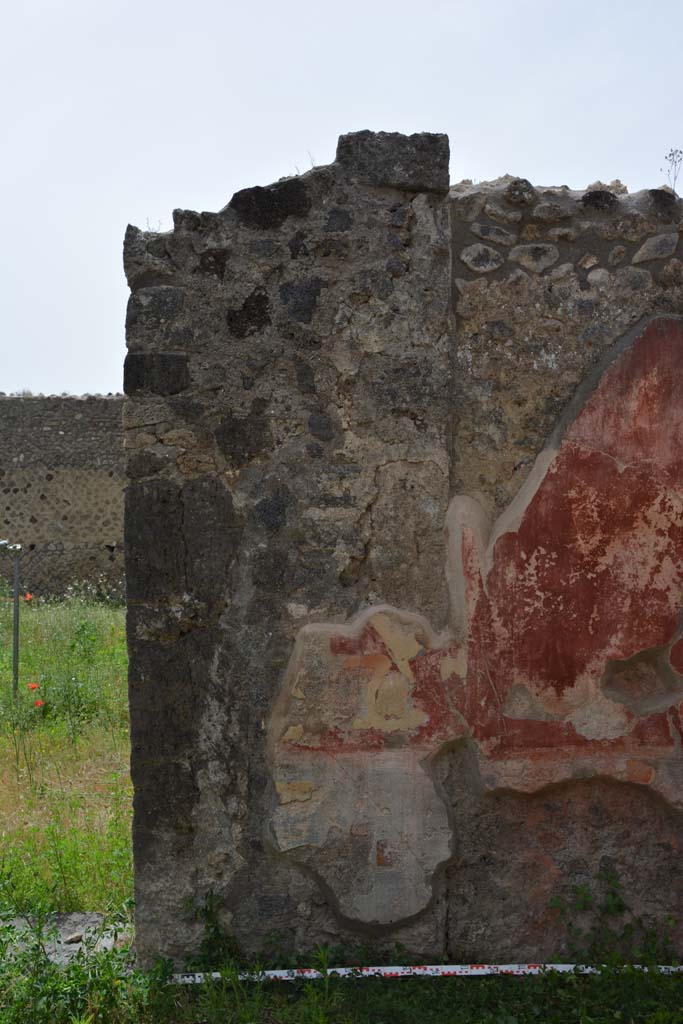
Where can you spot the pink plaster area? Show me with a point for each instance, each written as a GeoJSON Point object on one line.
{"type": "Point", "coordinates": [566, 657]}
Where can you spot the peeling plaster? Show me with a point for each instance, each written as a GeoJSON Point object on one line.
{"type": "Point", "coordinates": [584, 568]}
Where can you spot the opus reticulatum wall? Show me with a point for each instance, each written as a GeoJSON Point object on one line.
{"type": "Point", "coordinates": [61, 485]}
{"type": "Point", "coordinates": [404, 538]}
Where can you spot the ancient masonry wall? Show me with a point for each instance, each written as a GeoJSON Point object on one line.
{"type": "Point", "coordinates": [62, 483]}
{"type": "Point", "coordinates": [404, 535]}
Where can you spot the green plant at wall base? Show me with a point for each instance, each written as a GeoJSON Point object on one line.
{"type": "Point", "coordinates": [102, 988]}
{"type": "Point", "coordinates": [603, 930]}
{"type": "Point", "coordinates": [217, 948]}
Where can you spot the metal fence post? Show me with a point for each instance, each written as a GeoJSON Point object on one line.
{"type": "Point", "coordinates": [14, 551]}
{"type": "Point", "coordinates": [15, 632]}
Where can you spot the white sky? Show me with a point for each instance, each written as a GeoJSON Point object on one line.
{"type": "Point", "coordinates": [120, 111]}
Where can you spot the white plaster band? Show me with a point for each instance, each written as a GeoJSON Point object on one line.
{"type": "Point", "coordinates": [428, 971]}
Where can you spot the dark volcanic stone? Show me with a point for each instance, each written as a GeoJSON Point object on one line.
{"type": "Point", "coordinates": [416, 163]}
{"type": "Point", "coordinates": [188, 408]}
{"type": "Point", "coordinates": [270, 207]}
{"type": "Point", "coordinates": [600, 199]}
{"type": "Point", "coordinates": [297, 245]}
{"type": "Point", "coordinates": [173, 561]}
{"type": "Point", "coordinates": [664, 203]}
{"type": "Point", "coordinates": [305, 377]}
{"type": "Point", "coordinates": [338, 220]}
{"type": "Point", "coordinates": [165, 793]}
{"type": "Point", "coordinates": [251, 317]}
{"type": "Point", "coordinates": [241, 438]}
{"type": "Point", "coordinates": [271, 512]}
{"type": "Point", "coordinates": [301, 298]}
{"type": "Point", "coordinates": [162, 373]}
{"type": "Point", "coordinates": [213, 262]}
{"type": "Point", "coordinates": [155, 563]}
{"type": "Point", "coordinates": [321, 426]}
{"type": "Point", "coordinates": [211, 543]}
{"type": "Point", "coordinates": [154, 305]}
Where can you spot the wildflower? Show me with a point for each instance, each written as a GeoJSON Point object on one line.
{"type": "Point", "coordinates": [32, 686]}
{"type": "Point", "coordinates": [39, 703]}
{"type": "Point", "coordinates": [29, 597]}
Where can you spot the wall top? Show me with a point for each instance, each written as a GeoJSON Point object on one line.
{"type": "Point", "coordinates": [414, 163]}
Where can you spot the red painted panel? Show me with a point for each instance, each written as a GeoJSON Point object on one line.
{"type": "Point", "coordinates": [591, 571]}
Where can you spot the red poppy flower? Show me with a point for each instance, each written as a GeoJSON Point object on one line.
{"type": "Point", "coordinates": [29, 597]}
{"type": "Point", "coordinates": [32, 686]}
{"type": "Point", "coordinates": [39, 703]}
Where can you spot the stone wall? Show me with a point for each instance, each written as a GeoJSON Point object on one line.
{"type": "Point", "coordinates": [404, 543]}
{"type": "Point", "coordinates": [62, 481]}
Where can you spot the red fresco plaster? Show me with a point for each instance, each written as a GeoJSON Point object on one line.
{"type": "Point", "coordinates": [590, 572]}
{"type": "Point", "coordinates": [594, 571]}
{"type": "Point", "coordinates": [564, 660]}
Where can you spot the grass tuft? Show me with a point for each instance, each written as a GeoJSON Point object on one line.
{"type": "Point", "coordinates": [65, 792]}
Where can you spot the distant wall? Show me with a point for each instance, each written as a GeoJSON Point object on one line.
{"type": "Point", "coordinates": [61, 482]}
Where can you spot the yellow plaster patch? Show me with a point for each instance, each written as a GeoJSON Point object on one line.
{"type": "Point", "coordinates": [291, 792]}
{"type": "Point", "coordinates": [294, 733]}
{"type": "Point", "coordinates": [402, 645]}
{"type": "Point", "coordinates": [388, 706]}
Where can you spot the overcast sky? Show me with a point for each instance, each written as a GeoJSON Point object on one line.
{"type": "Point", "coordinates": [117, 112]}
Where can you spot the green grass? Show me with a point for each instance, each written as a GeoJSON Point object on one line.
{"type": "Point", "coordinates": [65, 794]}
{"type": "Point", "coordinates": [65, 814]}
{"type": "Point", "coordinates": [98, 989]}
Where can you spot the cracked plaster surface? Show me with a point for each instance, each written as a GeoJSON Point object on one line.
{"type": "Point", "coordinates": [563, 659]}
